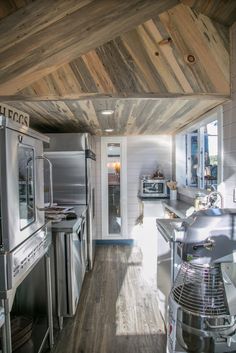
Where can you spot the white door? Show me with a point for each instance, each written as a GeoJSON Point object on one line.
{"type": "Point", "coordinates": [114, 187]}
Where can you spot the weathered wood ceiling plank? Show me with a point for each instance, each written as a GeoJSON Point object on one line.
{"type": "Point", "coordinates": [44, 44]}
{"type": "Point", "coordinates": [7, 7]}
{"type": "Point", "coordinates": [196, 35]}
{"type": "Point", "coordinates": [223, 11]}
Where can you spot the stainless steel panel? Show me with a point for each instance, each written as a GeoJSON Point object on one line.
{"type": "Point", "coordinates": [9, 123]}
{"type": "Point", "coordinates": [70, 270]}
{"type": "Point", "coordinates": [69, 177]}
{"type": "Point", "coordinates": [91, 211]}
{"type": "Point", "coordinates": [84, 250]}
{"type": "Point", "coordinates": [70, 142]}
{"type": "Point", "coordinates": [2, 317]}
{"type": "Point", "coordinates": [75, 270]}
{"type": "Point", "coordinates": [12, 235]}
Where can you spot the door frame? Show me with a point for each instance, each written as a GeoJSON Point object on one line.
{"type": "Point", "coordinates": [123, 187]}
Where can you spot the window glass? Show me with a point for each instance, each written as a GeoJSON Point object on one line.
{"type": "Point", "coordinates": [202, 156]}
{"type": "Point", "coordinates": [113, 170]}
{"type": "Point", "coordinates": [26, 185]}
{"type": "Point", "coordinates": [210, 155]}
{"type": "Point", "coordinates": [192, 158]}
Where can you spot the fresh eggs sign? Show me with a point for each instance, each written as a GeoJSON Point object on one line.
{"type": "Point", "coordinates": [14, 114]}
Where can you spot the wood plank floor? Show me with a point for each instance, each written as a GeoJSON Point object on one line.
{"type": "Point", "coordinates": [118, 309]}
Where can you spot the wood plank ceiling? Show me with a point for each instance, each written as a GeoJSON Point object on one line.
{"type": "Point", "coordinates": [164, 69]}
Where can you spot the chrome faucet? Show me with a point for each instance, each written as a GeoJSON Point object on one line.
{"type": "Point", "coordinates": [212, 199]}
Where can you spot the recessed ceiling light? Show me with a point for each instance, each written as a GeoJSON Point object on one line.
{"type": "Point", "coordinates": [107, 112]}
{"type": "Point", "coordinates": [109, 130]}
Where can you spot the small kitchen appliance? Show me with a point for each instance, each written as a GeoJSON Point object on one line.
{"type": "Point", "coordinates": [202, 302]}
{"type": "Point", "coordinates": [155, 188]}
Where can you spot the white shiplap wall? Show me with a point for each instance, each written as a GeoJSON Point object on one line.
{"type": "Point", "coordinates": [229, 134]}
{"type": "Point", "coordinates": [144, 155]}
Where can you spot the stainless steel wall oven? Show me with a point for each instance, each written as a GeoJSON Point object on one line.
{"type": "Point", "coordinates": [21, 183]}
{"type": "Point", "coordinates": [24, 236]}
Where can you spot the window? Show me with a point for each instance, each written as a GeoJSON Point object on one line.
{"type": "Point", "coordinates": [200, 165]}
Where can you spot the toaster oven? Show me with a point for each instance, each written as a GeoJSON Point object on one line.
{"type": "Point", "coordinates": [153, 188]}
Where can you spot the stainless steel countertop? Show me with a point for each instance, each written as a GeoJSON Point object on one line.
{"type": "Point", "coordinates": [180, 208]}
{"type": "Point", "coordinates": [167, 227]}
{"type": "Point", "coordinates": [70, 226]}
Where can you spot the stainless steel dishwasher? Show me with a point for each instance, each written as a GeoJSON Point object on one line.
{"type": "Point", "coordinates": [70, 262]}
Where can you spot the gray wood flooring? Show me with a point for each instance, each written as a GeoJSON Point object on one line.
{"type": "Point", "coordinates": [118, 310]}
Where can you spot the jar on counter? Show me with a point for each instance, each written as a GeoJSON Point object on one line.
{"type": "Point", "coordinates": [200, 201]}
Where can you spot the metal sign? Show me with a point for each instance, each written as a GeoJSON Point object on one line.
{"type": "Point", "coordinates": [14, 114]}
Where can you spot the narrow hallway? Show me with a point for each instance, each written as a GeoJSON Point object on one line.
{"type": "Point", "coordinates": [118, 309]}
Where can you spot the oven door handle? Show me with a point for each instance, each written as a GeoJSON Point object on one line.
{"type": "Point", "coordinates": [78, 232]}
{"type": "Point", "coordinates": [83, 227]}
{"type": "Point", "coordinates": [50, 182]}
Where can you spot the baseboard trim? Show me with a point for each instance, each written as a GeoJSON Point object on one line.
{"type": "Point", "coordinates": [129, 242]}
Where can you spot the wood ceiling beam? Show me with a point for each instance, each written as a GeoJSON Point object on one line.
{"type": "Point", "coordinates": [79, 97]}
{"type": "Point", "coordinates": [44, 35]}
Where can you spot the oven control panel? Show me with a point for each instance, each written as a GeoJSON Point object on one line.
{"type": "Point", "coordinates": [28, 255]}
{"type": "Point", "coordinates": [25, 257]}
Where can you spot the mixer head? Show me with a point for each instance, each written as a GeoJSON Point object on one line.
{"type": "Point", "coordinates": [210, 237]}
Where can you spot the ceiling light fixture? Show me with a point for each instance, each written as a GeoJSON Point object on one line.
{"type": "Point", "coordinates": [107, 112]}
{"type": "Point", "coordinates": [109, 130]}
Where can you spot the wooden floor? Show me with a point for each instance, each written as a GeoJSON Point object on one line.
{"type": "Point", "coordinates": [118, 310]}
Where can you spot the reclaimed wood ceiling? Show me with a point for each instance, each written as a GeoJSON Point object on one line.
{"type": "Point", "coordinates": [131, 116]}
{"type": "Point", "coordinates": [63, 62]}
{"type": "Point", "coordinates": [153, 58]}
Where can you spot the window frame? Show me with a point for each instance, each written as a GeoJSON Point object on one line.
{"type": "Point", "coordinates": [123, 185]}
{"type": "Point", "coordinates": [215, 114]}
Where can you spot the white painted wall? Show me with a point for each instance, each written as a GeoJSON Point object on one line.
{"type": "Point", "coordinates": [229, 134]}
{"type": "Point", "coordinates": [144, 155]}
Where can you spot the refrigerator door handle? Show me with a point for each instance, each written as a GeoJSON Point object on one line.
{"type": "Point", "coordinates": [50, 182]}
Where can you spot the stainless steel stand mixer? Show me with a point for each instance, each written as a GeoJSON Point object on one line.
{"type": "Point", "coordinates": [202, 302]}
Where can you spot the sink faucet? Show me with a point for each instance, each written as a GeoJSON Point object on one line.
{"type": "Point", "coordinates": [212, 199]}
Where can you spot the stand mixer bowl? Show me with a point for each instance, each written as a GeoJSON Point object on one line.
{"type": "Point", "coordinates": [203, 315]}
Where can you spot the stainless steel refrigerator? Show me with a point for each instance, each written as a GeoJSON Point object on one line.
{"type": "Point", "coordinates": [73, 159]}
